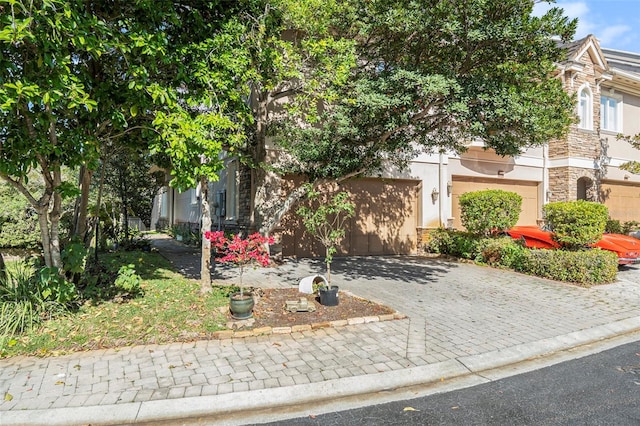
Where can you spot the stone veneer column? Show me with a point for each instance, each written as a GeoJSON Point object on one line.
{"type": "Point", "coordinates": [579, 144]}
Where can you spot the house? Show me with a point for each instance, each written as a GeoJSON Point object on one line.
{"type": "Point", "coordinates": [395, 211]}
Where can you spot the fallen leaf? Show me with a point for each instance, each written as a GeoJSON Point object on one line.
{"type": "Point", "coordinates": [59, 382]}
{"type": "Point", "coordinates": [409, 409]}
{"type": "Point", "coordinates": [8, 396]}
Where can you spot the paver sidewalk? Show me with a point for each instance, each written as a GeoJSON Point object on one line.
{"type": "Point", "coordinates": [461, 318]}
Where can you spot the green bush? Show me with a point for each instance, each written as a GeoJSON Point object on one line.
{"type": "Point", "coordinates": [128, 281]}
{"type": "Point", "coordinates": [454, 243]}
{"type": "Point", "coordinates": [27, 298]}
{"type": "Point", "coordinates": [630, 226]}
{"type": "Point", "coordinates": [585, 267]}
{"type": "Point", "coordinates": [576, 223]}
{"type": "Point", "coordinates": [613, 227]}
{"type": "Point", "coordinates": [503, 253]}
{"type": "Point", "coordinates": [18, 220]}
{"type": "Point", "coordinates": [616, 227]}
{"type": "Point", "coordinates": [485, 212]}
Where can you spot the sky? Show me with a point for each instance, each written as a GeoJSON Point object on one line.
{"type": "Point", "coordinates": [615, 23]}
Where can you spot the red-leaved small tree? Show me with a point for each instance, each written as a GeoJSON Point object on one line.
{"type": "Point", "coordinates": [241, 251]}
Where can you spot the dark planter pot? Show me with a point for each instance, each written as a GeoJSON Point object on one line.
{"type": "Point", "coordinates": [241, 306]}
{"type": "Point", "coordinates": [329, 297]}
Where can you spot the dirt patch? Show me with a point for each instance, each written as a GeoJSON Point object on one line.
{"type": "Point", "coordinates": [270, 311]}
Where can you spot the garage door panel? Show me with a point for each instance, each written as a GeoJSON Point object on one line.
{"type": "Point", "coordinates": [622, 200]}
{"type": "Point", "coordinates": [385, 221]}
{"type": "Point", "coordinates": [527, 190]}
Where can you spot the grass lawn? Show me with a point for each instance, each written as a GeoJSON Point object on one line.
{"type": "Point", "coordinates": [170, 310]}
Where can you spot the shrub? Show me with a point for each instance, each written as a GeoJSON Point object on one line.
{"type": "Point", "coordinates": [613, 227]}
{"type": "Point", "coordinates": [454, 243]}
{"type": "Point", "coordinates": [583, 267]}
{"type": "Point", "coordinates": [27, 298]}
{"type": "Point", "coordinates": [630, 226]}
{"type": "Point", "coordinates": [128, 281]}
{"type": "Point", "coordinates": [503, 253]}
{"type": "Point", "coordinates": [115, 280]}
{"type": "Point", "coordinates": [576, 223]}
{"type": "Point", "coordinates": [485, 212]}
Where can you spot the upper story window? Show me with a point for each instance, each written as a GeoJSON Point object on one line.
{"type": "Point", "coordinates": [585, 108]}
{"type": "Point", "coordinates": [611, 113]}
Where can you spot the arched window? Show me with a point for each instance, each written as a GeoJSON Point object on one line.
{"type": "Point", "coordinates": [585, 108]}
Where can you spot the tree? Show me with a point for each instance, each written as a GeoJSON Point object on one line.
{"type": "Point", "coordinates": [76, 76]}
{"type": "Point", "coordinates": [42, 96]}
{"type": "Point", "coordinates": [296, 62]}
{"type": "Point", "coordinates": [634, 140]}
{"type": "Point", "coordinates": [426, 78]}
{"type": "Point", "coordinates": [129, 178]}
{"type": "Point", "coordinates": [326, 221]}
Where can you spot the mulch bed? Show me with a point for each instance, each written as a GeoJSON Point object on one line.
{"type": "Point", "coordinates": [269, 310]}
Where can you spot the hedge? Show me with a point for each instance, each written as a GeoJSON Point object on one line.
{"type": "Point", "coordinates": [584, 267]}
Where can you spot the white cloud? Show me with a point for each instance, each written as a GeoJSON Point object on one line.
{"type": "Point", "coordinates": [608, 35]}
{"type": "Point", "coordinates": [581, 11]}
{"type": "Point", "coordinates": [572, 9]}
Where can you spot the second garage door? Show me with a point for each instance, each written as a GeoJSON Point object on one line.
{"type": "Point", "coordinates": [385, 221]}
{"type": "Point", "coordinates": [623, 200]}
{"type": "Point", "coordinates": [527, 190]}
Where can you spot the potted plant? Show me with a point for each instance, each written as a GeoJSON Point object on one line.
{"type": "Point", "coordinates": [241, 252]}
{"type": "Point", "coordinates": [326, 221]}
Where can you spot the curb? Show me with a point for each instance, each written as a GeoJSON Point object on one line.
{"type": "Point", "coordinates": [210, 407]}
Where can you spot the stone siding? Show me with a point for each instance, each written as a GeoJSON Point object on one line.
{"type": "Point", "coordinates": [579, 143]}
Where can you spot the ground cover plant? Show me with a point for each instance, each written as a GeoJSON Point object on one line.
{"type": "Point", "coordinates": [148, 303]}
{"type": "Point", "coordinates": [170, 309]}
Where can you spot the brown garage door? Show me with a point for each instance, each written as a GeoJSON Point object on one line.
{"type": "Point", "coordinates": [623, 200]}
{"type": "Point", "coordinates": [385, 221]}
{"type": "Point", "coordinates": [527, 190]}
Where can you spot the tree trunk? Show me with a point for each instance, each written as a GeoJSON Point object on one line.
{"type": "Point", "coordinates": [327, 255]}
{"type": "Point", "coordinates": [260, 196]}
{"type": "Point", "coordinates": [82, 208]}
{"type": "Point", "coordinates": [3, 268]}
{"type": "Point", "coordinates": [98, 207]}
{"type": "Point", "coordinates": [205, 268]}
{"type": "Point", "coordinates": [49, 221]}
{"type": "Point", "coordinates": [54, 222]}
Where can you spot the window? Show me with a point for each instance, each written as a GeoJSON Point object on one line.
{"type": "Point", "coordinates": [585, 108]}
{"type": "Point", "coordinates": [610, 113]}
{"type": "Point", "coordinates": [195, 194]}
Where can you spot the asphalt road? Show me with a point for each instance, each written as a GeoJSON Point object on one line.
{"type": "Point", "coordinates": [600, 389]}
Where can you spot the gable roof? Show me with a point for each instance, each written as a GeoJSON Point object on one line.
{"type": "Point", "coordinates": [576, 49]}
